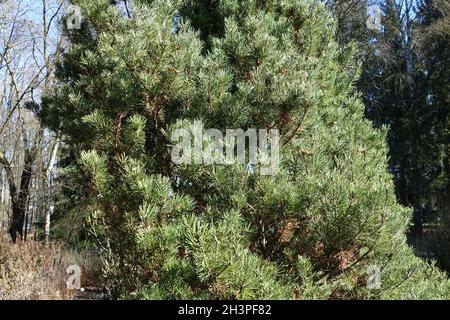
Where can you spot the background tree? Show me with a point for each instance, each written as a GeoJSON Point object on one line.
{"type": "Point", "coordinates": [433, 33]}
{"type": "Point", "coordinates": [26, 53]}
{"type": "Point", "coordinates": [399, 61]}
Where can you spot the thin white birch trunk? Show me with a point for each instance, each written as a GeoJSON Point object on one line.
{"type": "Point", "coordinates": [49, 210]}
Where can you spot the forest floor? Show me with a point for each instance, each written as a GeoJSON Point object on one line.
{"type": "Point", "coordinates": [90, 293]}
{"type": "Point", "coordinates": [33, 271]}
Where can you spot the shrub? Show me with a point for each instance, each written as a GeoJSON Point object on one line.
{"type": "Point", "coordinates": [30, 270]}
{"type": "Point", "coordinates": [174, 231]}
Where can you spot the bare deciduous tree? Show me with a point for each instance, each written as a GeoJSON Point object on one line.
{"type": "Point", "coordinates": [29, 40]}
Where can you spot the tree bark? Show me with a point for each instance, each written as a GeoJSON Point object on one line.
{"type": "Point", "coordinates": [418, 210]}
{"type": "Point", "coordinates": [20, 201]}
{"type": "Point", "coordinates": [49, 210]}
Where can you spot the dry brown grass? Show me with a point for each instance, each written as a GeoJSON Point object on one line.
{"type": "Point", "coordinates": [31, 271]}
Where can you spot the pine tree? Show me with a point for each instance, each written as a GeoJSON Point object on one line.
{"type": "Point", "coordinates": [313, 230]}
{"type": "Point", "coordinates": [434, 45]}
{"type": "Point", "coordinates": [417, 114]}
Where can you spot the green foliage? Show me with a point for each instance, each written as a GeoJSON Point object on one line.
{"type": "Point", "coordinates": [434, 38]}
{"type": "Point", "coordinates": [218, 231]}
